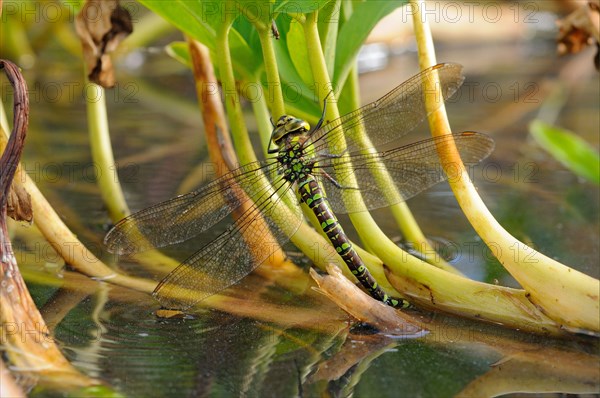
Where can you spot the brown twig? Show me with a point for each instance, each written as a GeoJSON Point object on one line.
{"type": "Point", "coordinates": [25, 336]}
{"type": "Point", "coordinates": [12, 154]}
{"type": "Point", "coordinates": [223, 155]}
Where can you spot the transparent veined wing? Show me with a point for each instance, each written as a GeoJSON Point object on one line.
{"type": "Point", "coordinates": [246, 244]}
{"type": "Point", "coordinates": [412, 169]}
{"type": "Point", "coordinates": [393, 115]}
{"type": "Point", "coordinates": [185, 216]}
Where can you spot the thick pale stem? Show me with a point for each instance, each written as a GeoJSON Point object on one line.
{"type": "Point", "coordinates": [274, 92]}
{"type": "Point", "coordinates": [406, 221]}
{"type": "Point", "coordinates": [565, 294]}
{"type": "Point", "coordinates": [364, 223]}
{"type": "Point", "coordinates": [102, 155]}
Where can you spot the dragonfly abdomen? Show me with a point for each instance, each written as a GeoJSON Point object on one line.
{"type": "Point", "coordinates": [311, 194]}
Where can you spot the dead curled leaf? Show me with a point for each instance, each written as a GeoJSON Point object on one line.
{"type": "Point", "coordinates": [102, 25]}
{"type": "Point", "coordinates": [579, 29]}
{"type": "Point", "coordinates": [19, 203]}
{"type": "Point", "coordinates": [364, 308]}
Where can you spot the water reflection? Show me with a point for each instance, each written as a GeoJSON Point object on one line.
{"type": "Point", "coordinates": [217, 354]}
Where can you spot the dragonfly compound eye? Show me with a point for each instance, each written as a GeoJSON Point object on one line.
{"type": "Point", "coordinates": [288, 125]}
{"type": "Point", "coordinates": [295, 125]}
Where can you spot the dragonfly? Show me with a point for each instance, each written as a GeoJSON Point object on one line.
{"type": "Point", "coordinates": [328, 167]}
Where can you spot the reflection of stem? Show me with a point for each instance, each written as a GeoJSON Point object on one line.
{"type": "Point", "coordinates": [92, 354]}
{"type": "Point", "coordinates": [60, 303]}
{"type": "Point", "coordinates": [536, 374]}
{"type": "Point", "coordinates": [565, 294]}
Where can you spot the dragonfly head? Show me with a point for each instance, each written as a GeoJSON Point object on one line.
{"type": "Point", "coordinates": [285, 126]}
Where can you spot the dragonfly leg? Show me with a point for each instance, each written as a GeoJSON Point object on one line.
{"type": "Point", "coordinates": [334, 181]}
{"type": "Point", "coordinates": [322, 119]}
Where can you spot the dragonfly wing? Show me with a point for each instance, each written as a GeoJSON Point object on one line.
{"type": "Point", "coordinates": [393, 115]}
{"type": "Point", "coordinates": [183, 217]}
{"type": "Point", "coordinates": [231, 256]}
{"type": "Point", "coordinates": [412, 168]}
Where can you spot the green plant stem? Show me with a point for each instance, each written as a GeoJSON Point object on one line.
{"type": "Point", "coordinates": [261, 113]}
{"type": "Point", "coordinates": [235, 115]}
{"type": "Point", "coordinates": [107, 176]}
{"type": "Point", "coordinates": [102, 154]}
{"type": "Point", "coordinates": [273, 97]}
{"type": "Point", "coordinates": [305, 238]}
{"type": "Point", "coordinates": [363, 221]}
{"type": "Point", "coordinates": [15, 41]}
{"type": "Point", "coordinates": [401, 212]}
{"type": "Point", "coordinates": [566, 295]}
{"type": "Point", "coordinates": [274, 93]}
{"type": "Point", "coordinates": [425, 284]}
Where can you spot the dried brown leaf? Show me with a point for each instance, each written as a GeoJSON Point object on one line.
{"type": "Point", "coordinates": [579, 29]}
{"type": "Point", "coordinates": [102, 25]}
{"type": "Point", "coordinates": [365, 308]}
{"type": "Point", "coordinates": [19, 203]}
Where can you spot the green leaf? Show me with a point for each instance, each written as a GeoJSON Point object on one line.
{"type": "Point", "coordinates": [200, 20]}
{"type": "Point", "coordinates": [355, 31]}
{"type": "Point", "coordinates": [180, 52]}
{"type": "Point", "coordinates": [296, 44]}
{"type": "Point", "coordinates": [189, 17]}
{"type": "Point", "coordinates": [569, 149]}
{"type": "Point", "coordinates": [298, 6]}
{"type": "Point", "coordinates": [299, 96]}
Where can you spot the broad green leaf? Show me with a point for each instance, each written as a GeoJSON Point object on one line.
{"type": "Point", "coordinates": [245, 60]}
{"type": "Point", "coordinates": [355, 31]}
{"type": "Point", "coordinates": [298, 96]}
{"type": "Point", "coordinates": [329, 22]}
{"type": "Point", "coordinates": [179, 51]}
{"type": "Point", "coordinates": [189, 17]}
{"type": "Point", "coordinates": [298, 53]}
{"type": "Point", "coordinates": [200, 20]}
{"type": "Point", "coordinates": [569, 149]}
{"type": "Point", "coordinates": [298, 6]}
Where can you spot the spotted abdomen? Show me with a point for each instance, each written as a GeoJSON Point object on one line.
{"type": "Point", "coordinates": [311, 194]}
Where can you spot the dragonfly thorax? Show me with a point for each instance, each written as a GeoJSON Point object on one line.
{"type": "Point", "coordinates": [286, 127]}
{"type": "Point", "coordinates": [288, 139]}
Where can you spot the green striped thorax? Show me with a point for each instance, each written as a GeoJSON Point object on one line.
{"type": "Point", "coordinates": [288, 138]}
{"type": "Point", "coordinates": [287, 127]}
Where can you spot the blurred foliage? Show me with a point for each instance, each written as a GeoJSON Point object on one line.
{"type": "Point", "coordinates": [569, 149]}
